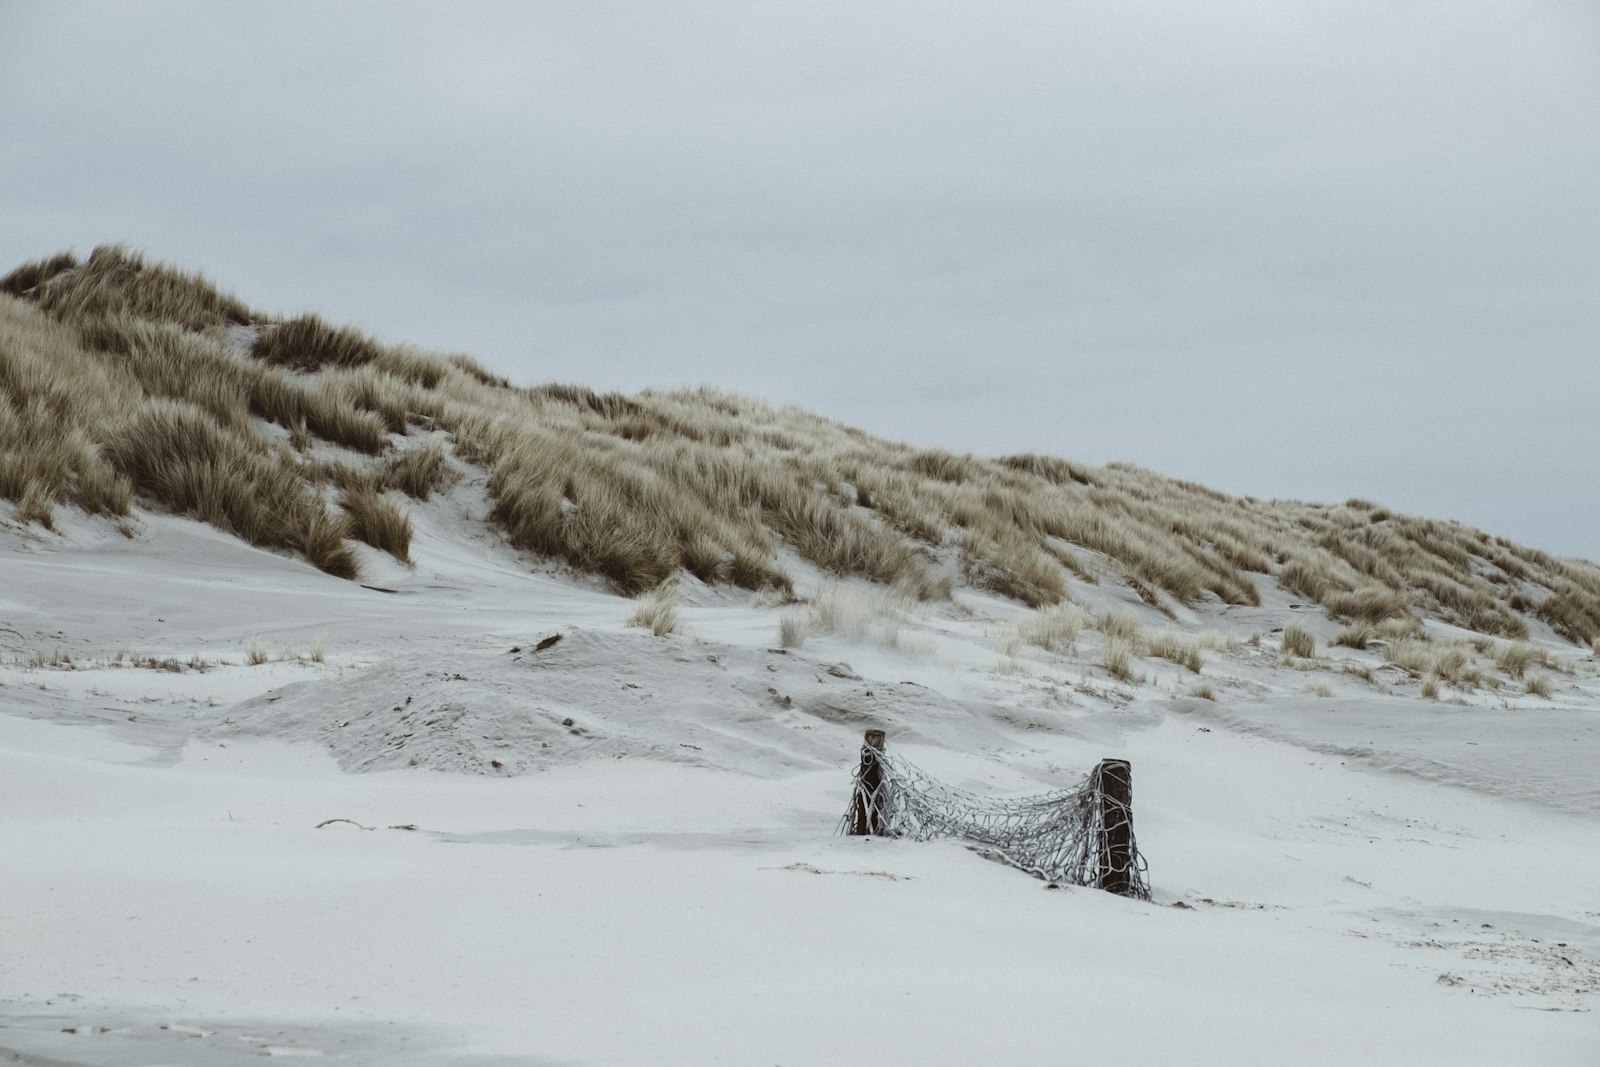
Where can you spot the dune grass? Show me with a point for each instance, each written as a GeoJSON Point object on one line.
{"type": "Point", "coordinates": [657, 610]}
{"type": "Point", "coordinates": [377, 522]}
{"type": "Point", "coordinates": [1299, 641]}
{"type": "Point", "coordinates": [94, 353]}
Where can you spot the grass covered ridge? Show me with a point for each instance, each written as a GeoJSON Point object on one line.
{"type": "Point", "coordinates": [121, 377]}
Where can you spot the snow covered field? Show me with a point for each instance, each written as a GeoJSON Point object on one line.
{"type": "Point", "coordinates": [621, 848]}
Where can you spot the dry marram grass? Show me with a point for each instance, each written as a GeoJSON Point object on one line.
{"type": "Point", "coordinates": [1299, 641]}
{"type": "Point", "coordinates": [1182, 651]}
{"type": "Point", "coordinates": [99, 354]}
{"type": "Point", "coordinates": [657, 610]}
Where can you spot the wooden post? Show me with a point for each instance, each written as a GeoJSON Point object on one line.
{"type": "Point", "coordinates": [865, 816]}
{"type": "Point", "coordinates": [1113, 778]}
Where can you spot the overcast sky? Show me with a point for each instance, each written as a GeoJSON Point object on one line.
{"type": "Point", "coordinates": [1312, 250]}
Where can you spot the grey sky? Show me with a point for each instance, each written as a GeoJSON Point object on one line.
{"type": "Point", "coordinates": [1308, 250]}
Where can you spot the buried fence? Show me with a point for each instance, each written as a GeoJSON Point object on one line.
{"type": "Point", "coordinates": [1081, 836]}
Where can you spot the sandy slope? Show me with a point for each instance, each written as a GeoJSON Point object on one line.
{"type": "Point", "coordinates": [620, 849]}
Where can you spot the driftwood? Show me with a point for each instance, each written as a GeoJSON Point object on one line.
{"type": "Point", "coordinates": [363, 826]}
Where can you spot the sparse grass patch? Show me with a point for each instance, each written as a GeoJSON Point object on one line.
{"type": "Point", "coordinates": [158, 663]}
{"type": "Point", "coordinates": [1516, 657]}
{"type": "Point", "coordinates": [1170, 646]}
{"type": "Point", "coordinates": [55, 658]}
{"type": "Point", "coordinates": [1451, 661]}
{"type": "Point", "coordinates": [1399, 629]}
{"type": "Point", "coordinates": [842, 612]}
{"type": "Point", "coordinates": [1298, 641]}
{"type": "Point", "coordinates": [1118, 656]}
{"type": "Point", "coordinates": [1118, 624]}
{"type": "Point", "coordinates": [255, 653]}
{"type": "Point", "coordinates": [1203, 691]}
{"type": "Point", "coordinates": [1359, 670]}
{"type": "Point", "coordinates": [1054, 629]}
{"type": "Point", "coordinates": [1537, 685]}
{"type": "Point", "coordinates": [793, 629]}
{"type": "Point", "coordinates": [1411, 655]}
{"type": "Point", "coordinates": [657, 610]}
{"type": "Point", "coordinates": [853, 614]}
{"type": "Point", "coordinates": [1322, 689]}
{"type": "Point", "coordinates": [1219, 641]}
{"type": "Point", "coordinates": [1430, 688]}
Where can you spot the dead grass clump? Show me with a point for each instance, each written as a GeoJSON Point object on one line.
{"type": "Point", "coordinates": [1414, 656]}
{"type": "Point", "coordinates": [1359, 670]}
{"type": "Point", "coordinates": [1451, 661]}
{"type": "Point", "coordinates": [657, 610]}
{"type": "Point", "coordinates": [1430, 688]}
{"type": "Point", "coordinates": [1355, 635]}
{"type": "Point", "coordinates": [1537, 685]}
{"type": "Point", "coordinates": [1054, 629]}
{"type": "Point", "coordinates": [1117, 624]}
{"type": "Point", "coordinates": [397, 402]}
{"type": "Point", "coordinates": [1170, 646]}
{"type": "Point", "coordinates": [279, 398]}
{"type": "Point", "coordinates": [843, 543]}
{"type": "Point", "coordinates": [1516, 658]}
{"type": "Point", "coordinates": [1372, 604]}
{"type": "Point", "coordinates": [417, 472]}
{"type": "Point", "coordinates": [1118, 655]}
{"type": "Point", "coordinates": [1305, 579]}
{"type": "Point", "coordinates": [1203, 691]}
{"type": "Point", "coordinates": [1299, 641]}
{"type": "Point", "coordinates": [1399, 629]}
{"type": "Point", "coordinates": [377, 522]}
{"type": "Point", "coordinates": [844, 612]}
{"type": "Point", "coordinates": [36, 504]}
{"type": "Point", "coordinates": [1013, 567]}
{"type": "Point", "coordinates": [307, 343]}
{"type": "Point", "coordinates": [1219, 641]}
{"type": "Point", "coordinates": [793, 629]}
{"type": "Point", "coordinates": [320, 537]}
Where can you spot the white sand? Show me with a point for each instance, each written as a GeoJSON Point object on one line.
{"type": "Point", "coordinates": [1371, 878]}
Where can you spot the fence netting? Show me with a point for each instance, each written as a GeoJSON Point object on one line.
{"type": "Point", "coordinates": [1077, 836]}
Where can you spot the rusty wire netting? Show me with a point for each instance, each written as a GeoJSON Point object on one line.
{"type": "Point", "coordinates": [1081, 836]}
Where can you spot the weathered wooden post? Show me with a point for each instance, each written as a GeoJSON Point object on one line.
{"type": "Point", "coordinates": [1113, 780]}
{"type": "Point", "coordinates": [866, 815]}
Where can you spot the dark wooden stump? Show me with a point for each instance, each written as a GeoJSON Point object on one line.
{"type": "Point", "coordinates": [865, 815]}
{"type": "Point", "coordinates": [1113, 778]}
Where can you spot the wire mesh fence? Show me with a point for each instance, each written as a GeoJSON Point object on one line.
{"type": "Point", "coordinates": [1082, 836]}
